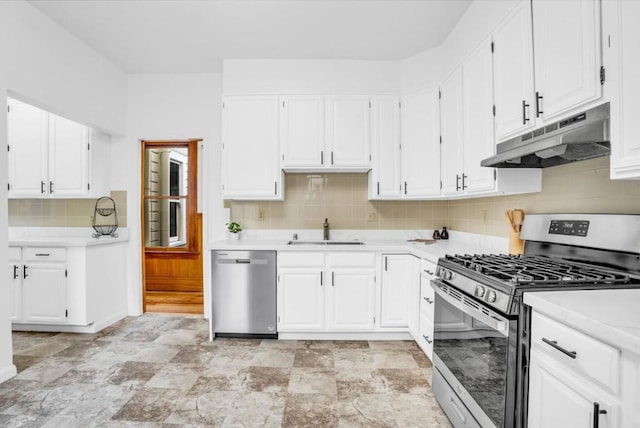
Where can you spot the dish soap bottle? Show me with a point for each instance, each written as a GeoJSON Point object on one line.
{"type": "Point", "coordinates": [436, 234]}
{"type": "Point", "coordinates": [444, 234]}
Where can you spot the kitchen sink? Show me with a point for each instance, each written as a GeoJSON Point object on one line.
{"type": "Point", "coordinates": [325, 243]}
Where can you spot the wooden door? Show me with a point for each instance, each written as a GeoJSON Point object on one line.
{"type": "Point", "coordinates": [172, 242]}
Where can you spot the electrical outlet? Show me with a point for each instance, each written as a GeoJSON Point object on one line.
{"type": "Point", "coordinates": [372, 217]}
{"type": "Point", "coordinates": [261, 215]}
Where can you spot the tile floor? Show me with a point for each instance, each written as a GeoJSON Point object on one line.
{"type": "Point", "coordinates": [162, 371]}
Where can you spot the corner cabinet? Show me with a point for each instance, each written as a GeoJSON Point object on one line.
{"type": "Point", "coordinates": [48, 156]}
{"type": "Point", "coordinates": [400, 291]}
{"type": "Point", "coordinates": [420, 138]}
{"type": "Point", "coordinates": [326, 292]}
{"type": "Point", "coordinates": [250, 164]}
{"type": "Point", "coordinates": [468, 134]}
{"type": "Point", "coordinates": [620, 27]}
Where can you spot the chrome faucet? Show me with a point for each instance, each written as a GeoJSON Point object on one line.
{"type": "Point", "coordinates": [325, 230]}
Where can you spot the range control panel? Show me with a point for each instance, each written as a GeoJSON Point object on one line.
{"type": "Point", "coordinates": [569, 227]}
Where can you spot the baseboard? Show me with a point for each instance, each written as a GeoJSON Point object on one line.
{"type": "Point", "coordinates": [8, 372]}
{"type": "Point", "coordinates": [61, 328]}
{"type": "Point", "coordinates": [346, 336]}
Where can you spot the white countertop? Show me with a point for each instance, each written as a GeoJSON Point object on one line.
{"type": "Point", "coordinates": [609, 315]}
{"type": "Point", "coordinates": [62, 237]}
{"type": "Point", "coordinates": [460, 243]}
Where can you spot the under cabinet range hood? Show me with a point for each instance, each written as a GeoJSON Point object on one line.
{"type": "Point", "coordinates": [579, 137]}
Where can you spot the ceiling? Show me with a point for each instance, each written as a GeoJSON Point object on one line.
{"type": "Point", "coordinates": [186, 36]}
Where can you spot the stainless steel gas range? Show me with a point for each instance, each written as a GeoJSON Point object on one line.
{"type": "Point", "coordinates": [482, 328]}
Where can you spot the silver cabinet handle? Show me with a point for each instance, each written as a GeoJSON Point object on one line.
{"type": "Point", "coordinates": [427, 339]}
{"type": "Point", "coordinates": [428, 272]}
{"type": "Point", "coordinates": [333, 279]}
{"type": "Point", "coordinates": [429, 301]}
{"type": "Point", "coordinates": [15, 271]}
{"type": "Point", "coordinates": [554, 345]}
{"type": "Point", "coordinates": [321, 279]}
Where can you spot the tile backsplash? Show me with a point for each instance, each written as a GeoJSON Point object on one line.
{"type": "Point", "coordinates": [342, 198]}
{"type": "Point", "coordinates": [61, 212]}
{"type": "Point", "coordinates": [581, 187]}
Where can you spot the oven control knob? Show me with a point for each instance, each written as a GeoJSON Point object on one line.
{"type": "Point", "coordinates": [480, 290]}
{"type": "Point", "coordinates": [491, 296]}
{"type": "Point", "coordinates": [448, 275]}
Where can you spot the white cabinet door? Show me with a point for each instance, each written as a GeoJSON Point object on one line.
{"type": "Point", "coordinates": [420, 137]}
{"type": "Point", "coordinates": [513, 73]}
{"type": "Point", "coordinates": [250, 148]}
{"type": "Point", "coordinates": [15, 279]}
{"type": "Point", "coordinates": [554, 402]}
{"type": "Point", "coordinates": [68, 158]}
{"type": "Point", "coordinates": [351, 303]}
{"type": "Point", "coordinates": [44, 293]}
{"type": "Point", "coordinates": [479, 143]}
{"type": "Point", "coordinates": [348, 132]}
{"type": "Point", "coordinates": [452, 133]}
{"type": "Point", "coordinates": [301, 299]}
{"type": "Point", "coordinates": [567, 54]}
{"type": "Point", "coordinates": [385, 148]}
{"type": "Point", "coordinates": [399, 278]}
{"type": "Point", "coordinates": [302, 131]}
{"type": "Point", "coordinates": [28, 137]}
{"type": "Point", "coordinates": [623, 69]}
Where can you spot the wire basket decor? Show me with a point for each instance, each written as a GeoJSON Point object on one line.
{"type": "Point", "coordinates": [105, 218]}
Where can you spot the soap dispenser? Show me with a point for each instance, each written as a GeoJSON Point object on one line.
{"type": "Point", "coordinates": [444, 234]}
{"type": "Point", "coordinates": [436, 234]}
{"type": "Point", "coordinates": [325, 230]}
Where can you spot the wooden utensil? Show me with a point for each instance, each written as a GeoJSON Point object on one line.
{"type": "Point", "coordinates": [518, 218]}
{"type": "Point", "coordinates": [509, 216]}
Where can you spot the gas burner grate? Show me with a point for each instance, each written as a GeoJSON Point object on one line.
{"type": "Point", "coordinates": [537, 270]}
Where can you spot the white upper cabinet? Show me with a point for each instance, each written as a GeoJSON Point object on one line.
{"type": "Point", "coordinates": [452, 134]}
{"type": "Point", "coordinates": [620, 25]}
{"type": "Point", "coordinates": [49, 155]}
{"type": "Point", "coordinates": [302, 131]}
{"type": "Point", "coordinates": [384, 177]}
{"type": "Point", "coordinates": [567, 55]}
{"type": "Point", "coordinates": [560, 52]}
{"type": "Point", "coordinates": [28, 138]}
{"type": "Point", "coordinates": [478, 138]}
{"type": "Point", "coordinates": [320, 133]}
{"type": "Point", "coordinates": [69, 158]}
{"type": "Point", "coordinates": [250, 165]}
{"type": "Point", "coordinates": [348, 131]}
{"type": "Point", "coordinates": [513, 73]}
{"type": "Point", "coordinates": [420, 137]}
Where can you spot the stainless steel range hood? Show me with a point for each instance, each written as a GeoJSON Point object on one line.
{"type": "Point", "coordinates": [579, 137]}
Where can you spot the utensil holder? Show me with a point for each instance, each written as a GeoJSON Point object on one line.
{"type": "Point", "coordinates": [516, 245]}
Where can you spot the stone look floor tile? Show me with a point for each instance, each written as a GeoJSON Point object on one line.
{"type": "Point", "coordinates": [306, 410]}
{"type": "Point", "coordinates": [162, 371]}
{"type": "Point", "coordinates": [313, 381]}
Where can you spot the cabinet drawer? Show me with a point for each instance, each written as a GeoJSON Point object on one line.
{"type": "Point", "coordinates": [15, 254]}
{"type": "Point", "coordinates": [352, 259]}
{"type": "Point", "coordinates": [425, 335]}
{"type": "Point", "coordinates": [427, 298]}
{"type": "Point", "coordinates": [586, 355]}
{"type": "Point", "coordinates": [45, 254]}
{"type": "Point", "coordinates": [455, 409]}
{"type": "Point", "coordinates": [427, 267]}
{"type": "Point", "coordinates": [300, 259]}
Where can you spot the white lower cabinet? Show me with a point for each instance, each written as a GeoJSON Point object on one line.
{"type": "Point", "coordinates": [400, 285]}
{"type": "Point", "coordinates": [15, 279]}
{"type": "Point", "coordinates": [574, 378]}
{"type": "Point", "coordinates": [79, 287]}
{"type": "Point", "coordinates": [426, 308]}
{"type": "Point", "coordinates": [326, 292]}
{"type": "Point", "coordinates": [43, 286]}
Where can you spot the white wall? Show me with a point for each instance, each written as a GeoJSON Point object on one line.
{"type": "Point", "coordinates": [164, 107]}
{"type": "Point", "coordinates": [45, 65]}
{"type": "Point", "coordinates": [273, 76]}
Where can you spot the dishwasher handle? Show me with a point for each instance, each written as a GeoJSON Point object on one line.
{"type": "Point", "coordinates": [235, 261]}
{"type": "Point", "coordinates": [245, 261]}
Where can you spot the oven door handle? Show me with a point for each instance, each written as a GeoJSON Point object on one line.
{"type": "Point", "coordinates": [501, 325]}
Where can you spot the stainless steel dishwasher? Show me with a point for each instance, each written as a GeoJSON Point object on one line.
{"type": "Point", "coordinates": [243, 294]}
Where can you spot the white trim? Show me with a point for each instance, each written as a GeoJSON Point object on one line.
{"type": "Point", "coordinates": [91, 328]}
{"type": "Point", "coordinates": [346, 336]}
{"type": "Point", "coordinates": [8, 372]}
